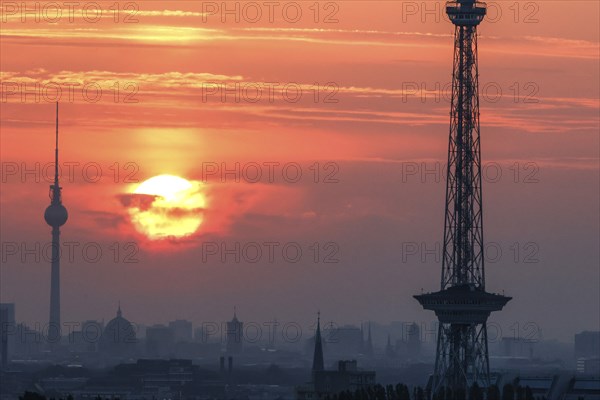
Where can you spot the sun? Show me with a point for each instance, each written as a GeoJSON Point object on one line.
{"type": "Point", "coordinates": [167, 206]}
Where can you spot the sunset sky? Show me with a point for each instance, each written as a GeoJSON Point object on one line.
{"type": "Point", "coordinates": [355, 105]}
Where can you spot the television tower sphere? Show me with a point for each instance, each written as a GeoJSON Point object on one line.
{"type": "Point", "coordinates": [56, 215]}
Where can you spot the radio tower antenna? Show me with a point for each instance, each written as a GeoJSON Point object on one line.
{"type": "Point", "coordinates": [462, 304]}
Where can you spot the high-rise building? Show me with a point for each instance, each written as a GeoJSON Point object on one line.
{"type": "Point", "coordinates": [27, 341]}
{"type": "Point", "coordinates": [7, 332]}
{"type": "Point", "coordinates": [587, 344]}
{"type": "Point", "coordinates": [235, 335]}
{"type": "Point", "coordinates": [390, 352]}
{"type": "Point", "coordinates": [516, 347]}
{"type": "Point", "coordinates": [86, 339]}
{"type": "Point", "coordinates": [159, 341]}
{"type": "Point", "coordinates": [369, 344]}
{"type": "Point", "coordinates": [587, 352]}
{"type": "Point", "coordinates": [410, 345]}
{"type": "Point", "coordinates": [345, 340]}
{"type": "Point", "coordinates": [182, 330]}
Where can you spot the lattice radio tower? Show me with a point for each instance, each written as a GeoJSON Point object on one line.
{"type": "Point", "coordinates": [463, 306]}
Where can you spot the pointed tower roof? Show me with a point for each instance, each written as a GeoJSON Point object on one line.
{"type": "Point", "coordinates": [318, 363]}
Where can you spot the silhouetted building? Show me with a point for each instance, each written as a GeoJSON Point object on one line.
{"type": "Point", "coordinates": [389, 349]}
{"type": "Point", "coordinates": [588, 366]}
{"type": "Point", "coordinates": [155, 379]}
{"type": "Point", "coordinates": [118, 338]}
{"type": "Point", "coordinates": [200, 335]}
{"type": "Point", "coordinates": [516, 347]}
{"type": "Point", "coordinates": [369, 344]}
{"type": "Point", "coordinates": [182, 330]}
{"type": "Point", "coordinates": [27, 341]}
{"type": "Point", "coordinates": [587, 352]}
{"type": "Point", "coordinates": [587, 344]}
{"type": "Point", "coordinates": [86, 340]}
{"type": "Point", "coordinates": [235, 335]}
{"type": "Point", "coordinates": [410, 345]}
{"type": "Point", "coordinates": [272, 334]}
{"type": "Point", "coordinates": [345, 341]}
{"type": "Point", "coordinates": [91, 331]}
{"type": "Point", "coordinates": [7, 332]}
{"type": "Point", "coordinates": [157, 374]}
{"type": "Point", "coordinates": [159, 341]}
{"type": "Point", "coordinates": [325, 384]}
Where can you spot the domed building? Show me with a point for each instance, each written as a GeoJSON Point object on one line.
{"type": "Point", "coordinates": [118, 338]}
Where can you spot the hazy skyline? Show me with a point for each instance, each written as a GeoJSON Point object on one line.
{"type": "Point", "coordinates": [376, 126]}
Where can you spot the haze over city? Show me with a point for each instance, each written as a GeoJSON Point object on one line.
{"type": "Point", "coordinates": [287, 159]}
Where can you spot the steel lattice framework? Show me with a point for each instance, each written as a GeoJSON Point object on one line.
{"type": "Point", "coordinates": [463, 230]}
{"type": "Point", "coordinates": [462, 305]}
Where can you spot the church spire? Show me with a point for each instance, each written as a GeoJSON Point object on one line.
{"type": "Point", "coordinates": [318, 364]}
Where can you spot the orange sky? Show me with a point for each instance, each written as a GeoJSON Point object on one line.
{"type": "Point", "coordinates": [376, 67]}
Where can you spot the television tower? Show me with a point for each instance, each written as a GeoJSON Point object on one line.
{"type": "Point", "coordinates": [462, 305]}
{"type": "Point", "coordinates": [55, 215]}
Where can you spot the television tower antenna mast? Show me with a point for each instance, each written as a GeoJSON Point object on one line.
{"type": "Point", "coordinates": [462, 305]}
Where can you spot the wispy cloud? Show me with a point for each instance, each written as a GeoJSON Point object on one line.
{"type": "Point", "coordinates": [376, 105]}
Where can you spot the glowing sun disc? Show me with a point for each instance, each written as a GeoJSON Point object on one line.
{"type": "Point", "coordinates": [172, 207]}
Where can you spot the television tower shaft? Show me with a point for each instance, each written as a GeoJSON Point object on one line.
{"type": "Point", "coordinates": [55, 215]}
